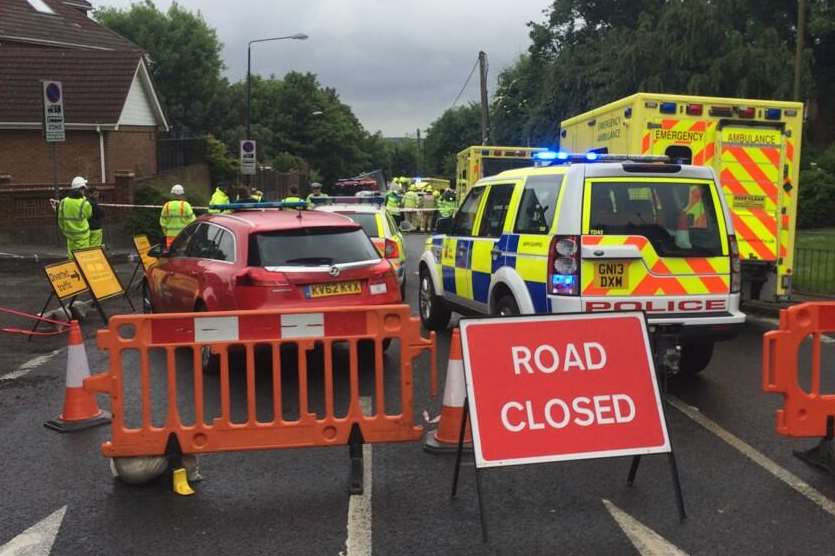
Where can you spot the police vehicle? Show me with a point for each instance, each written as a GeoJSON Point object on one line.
{"type": "Point", "coordinates": [587, 233]}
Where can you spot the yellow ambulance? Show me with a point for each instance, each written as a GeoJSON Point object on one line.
{"type": "Point", "coordinates": [752, 145]}
{"type": "Point", "coordinates": [483, 161]}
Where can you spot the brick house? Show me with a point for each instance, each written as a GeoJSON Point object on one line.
{"type": "Point", "coordinates": [112, 110]}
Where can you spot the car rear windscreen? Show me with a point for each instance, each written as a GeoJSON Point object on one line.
{"type": "Point", "coordinates": [311, 247]}
{"type": "Point", "coordinates": [368, 221]}
{"type": "Point", "coordinates": [679, 219]}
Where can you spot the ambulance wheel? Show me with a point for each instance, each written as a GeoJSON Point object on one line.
{"type": "Point", "coordinates": [147, 306]}
{"type": "Point", "coordinates": [506, 306]}
{"type": "Point", "coordinates": [695, 356]}
{"type": "Point", "coordinates": [434, 313]}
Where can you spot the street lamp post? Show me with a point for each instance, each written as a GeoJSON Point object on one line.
{"type": "Point", "coordinates": [297, 36]}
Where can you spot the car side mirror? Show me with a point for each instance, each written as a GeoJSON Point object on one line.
{"type": "Point", "coordinates": [444, 225]}
{"type": "Point", "coordinates": [156, 251]}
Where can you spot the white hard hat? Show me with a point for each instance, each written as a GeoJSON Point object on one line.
{"type": "Point", "coordinates": [178, 190]}
{"type": "Point", "coordinates": [78, 182]}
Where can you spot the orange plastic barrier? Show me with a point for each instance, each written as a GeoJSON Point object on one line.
{"type": "Point", "coordinates": [246, 333]}
{"type": "Point", "coordinates": [805, 411]}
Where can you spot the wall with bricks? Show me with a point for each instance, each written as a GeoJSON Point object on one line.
{"type": "Point", "coordinates": [132, 149]}
{"type": "Point", "coordinates": [24, 155]}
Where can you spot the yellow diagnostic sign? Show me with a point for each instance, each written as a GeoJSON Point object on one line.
{"type": "Point", "coordinates": [98, 273]}
{"type": "Point", "coordinates": [65, 278]}
{"type": "Point", "coordinates": [143, 245]}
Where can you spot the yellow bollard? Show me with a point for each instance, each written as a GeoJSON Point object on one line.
{"type": "Point", "coordinates": [181, 485]}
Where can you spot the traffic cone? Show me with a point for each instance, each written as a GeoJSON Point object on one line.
{"type": "Point", "coordinates": [80, 408]}
{"type": "Point", "coordinates": [444, 439]}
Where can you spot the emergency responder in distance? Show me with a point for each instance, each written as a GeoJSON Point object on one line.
{"type": "Point", "coordinates": [257, 194]}
{"type": "Point", "coordinates": [245, 195]}
{"type": "Point", "coordinates": [220, 196]}
{"type": "Point", "coordinates": [176, 214]}
{"type": "Point", "coordinates": [96, 218]}
{"type": "Point", "coordinates": [315, 193]}
{"type": "Point", "coordinates": [411, 200]}
{"type": "Point", "coordinates": [427, 202]}
{"type": "Point", "coordinates": [393, 201]}
{"type": "Point", "coordinates": [446, 204]}
{"type": "Point", "coordinates": [74, 212]}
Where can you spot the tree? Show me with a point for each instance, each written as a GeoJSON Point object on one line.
{"type": "Point", "coordinates": [185, 59]}
{"type": "Point", "coordinates": [456, 129]}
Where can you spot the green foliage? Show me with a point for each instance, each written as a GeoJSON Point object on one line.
{"type": "Point", "coordinates": [222, 166]}
{"type": "Point", "coordinates": [456, 129]}
{"type": "Point", "coordinates": [817, 198]}
{"type": "Point", "coordinates": [284, 162]}
{"type": "Point", "coordinates": [185, 59]}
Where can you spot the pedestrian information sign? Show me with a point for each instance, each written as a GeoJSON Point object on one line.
{"type": "Point", "coordinates": [561, 387]}
{"type": "Point", "coordinates": [98, 273]}
{"type": "Point", "coordinates": [65, 279]}
{"type": "Point", "coordinates": [143, 246]}
{"type": "Point", "coordinates": [53, 111]}
{"type": "Point", "coordinates": [248, 158]}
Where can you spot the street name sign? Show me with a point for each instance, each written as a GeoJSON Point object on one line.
{"type": "Point", "coordinates": [561, 387]}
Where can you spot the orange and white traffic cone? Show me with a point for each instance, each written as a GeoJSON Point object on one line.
{"type": "Point", "coordinates": [444, 439]}
{"type": "Point", "coordinates": [80, 408]}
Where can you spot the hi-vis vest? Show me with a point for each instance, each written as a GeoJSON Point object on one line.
{"type": "Point", "coordinates": [218, 198]}
{"type": "Point", "coordinates": [393, 202]}
{"type": "Point", "coordinates": [175, 216]}
{"type": "Point", "coordinates": [73, 216]}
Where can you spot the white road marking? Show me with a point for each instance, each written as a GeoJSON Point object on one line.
{"type": "Point", "coordinates": [757, 457]}
{"type": "Point", "coordinates": [646, 541]}
{"type": "Point", "coordinates": [358, 542]}
{"type": "Point", "coordinates": [30, 365]}
{"type": "Point", "coordinates": [38, 539]}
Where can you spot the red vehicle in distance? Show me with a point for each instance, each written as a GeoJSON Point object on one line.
{"type": "Point", "coordinates": [269, 258]}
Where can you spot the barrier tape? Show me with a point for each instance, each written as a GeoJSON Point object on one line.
{"type": "Point", "coordinates": [65, 325]}
{"type": "Point", "coordinates": [54, 204]}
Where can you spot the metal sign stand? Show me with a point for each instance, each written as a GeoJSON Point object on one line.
{"type": "Point", "coordinates": [66, 308]}
{"type": "Point", "coordinates": [633, 470]}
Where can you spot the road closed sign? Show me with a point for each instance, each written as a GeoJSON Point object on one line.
{"type": "Point", "coordinates": [561, 387]}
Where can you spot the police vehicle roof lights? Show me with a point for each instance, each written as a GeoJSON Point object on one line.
{"type": "Point", "coordinates": [547, 158]}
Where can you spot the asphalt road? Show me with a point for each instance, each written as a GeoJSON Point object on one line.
{"type": "Point", "coordinates": [297, 501]}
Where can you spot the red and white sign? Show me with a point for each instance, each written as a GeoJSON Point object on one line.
{"type": "Point", "coordinates": [561, 387]}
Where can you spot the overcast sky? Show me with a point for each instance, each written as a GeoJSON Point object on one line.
{"type": "Point", "coordinates": [398, 63]}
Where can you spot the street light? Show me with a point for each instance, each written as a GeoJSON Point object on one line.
{"type": "Point", "coordinates": [297, 36]}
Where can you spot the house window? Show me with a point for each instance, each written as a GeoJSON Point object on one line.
{"type": "Point", "coordinates": [41, 6]}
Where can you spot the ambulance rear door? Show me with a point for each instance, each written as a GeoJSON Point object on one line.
{"type": "Point", "coordinates": [749, 171]}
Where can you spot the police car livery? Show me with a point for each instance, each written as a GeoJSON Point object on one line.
{"type": "Point", "coordinates": [594, 233]}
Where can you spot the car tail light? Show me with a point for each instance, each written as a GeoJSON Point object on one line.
{"type": "Point", "coordinates": [694, 109]}
{"type": "Point", "coordinates": [261, 277]}
{"type": "Point", "coordinates": [386, 247]}
{"type": "Point", "coordinates": [564, 265]}
{"type": "Point", "coordinates": [745, 111]}
{"type": "Point", "coordinates": [736, 266]}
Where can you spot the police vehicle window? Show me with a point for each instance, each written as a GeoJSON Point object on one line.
{"type": "Point", "coordinates": [495, 210]}
{"type": "Point", "coordinates": [679, 219]}
{"type": "Point", "coordinates": [178, 248]}
{"type": "Point", "coordinates": [311, 247]}
{"type": "Point", "coordinates": [538, 204]}
{"type": "Point", "coordinates": [462, 225]}
{"type": "Point", "coordinates": [368, 221]}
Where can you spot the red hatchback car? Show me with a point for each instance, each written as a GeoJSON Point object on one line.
{"type": "Point", "coordinates": [269, 258]}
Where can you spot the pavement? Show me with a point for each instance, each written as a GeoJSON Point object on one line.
{"type": "Point", "coordinates": [744, 491]}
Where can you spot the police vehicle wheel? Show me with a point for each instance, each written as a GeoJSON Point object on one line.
{"type": "Point", "coordinates": [695, 356]}
{"type": "Point", "coordinates": [209, 360]}
{"type": "Point", "coordinates": [147, 306]}
{"type": "Point", "coordinates": [506, 306]}
{"type": "Point", "coordinates": [434, 314]}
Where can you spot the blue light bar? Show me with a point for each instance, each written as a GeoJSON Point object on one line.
{"type": "Point", "coordinates": [592, 156]}
{"type": "Point", "coordinates": [548, 158]}
{"type": "Point", "coordinates": [546, 155]}
{"type": "Point", "coordinates": [667, 108]}
{"type": "Point", "coordinates": [772, 114]}
{"type": "Point", "coordinates": [260, 205]}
